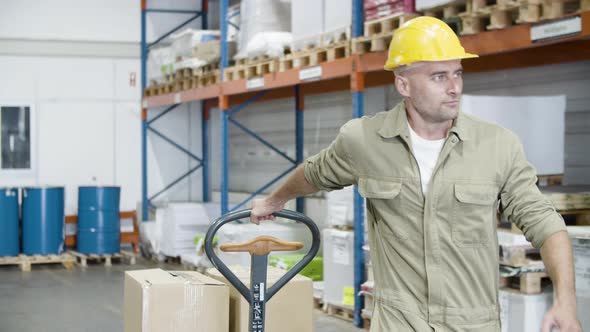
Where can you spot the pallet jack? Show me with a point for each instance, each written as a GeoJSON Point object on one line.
{"type": "Point", "coordinates": [259, 248]}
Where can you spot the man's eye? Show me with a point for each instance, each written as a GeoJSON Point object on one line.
{"type": "Point", "coordinates": [438, 78]}
{"type": "Point", "coordinates": [458, 74]}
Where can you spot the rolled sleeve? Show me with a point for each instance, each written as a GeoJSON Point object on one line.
{"type": "Point", "coordinates": [331, 169]}
{"type": "Point", "coordinates": [524, 204]}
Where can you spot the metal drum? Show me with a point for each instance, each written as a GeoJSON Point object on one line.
{"type": "Point", "coordinates": [43, 220]}
{"type": "Point", "coordinates": [9, 239]}
{"type": "Point", "coordinates": [99, 226]}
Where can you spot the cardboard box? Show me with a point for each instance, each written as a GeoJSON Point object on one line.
{"type": "Point", "coordinates": [522, 312]}
{"type": "Point", "coordinates": [290, 310]}
{"type": "Point", "coordinates": [179, 301]}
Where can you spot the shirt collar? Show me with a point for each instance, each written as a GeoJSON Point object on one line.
{"type": "Point", "coordinates": [395, 124]}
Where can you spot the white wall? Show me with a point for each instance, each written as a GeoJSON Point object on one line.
{"type": "Point", "coordinates": [72, 59]}
{"type": "Point", "coordinates": [87, 20]}
{"type": "Point", "coordinates": [85, 110]}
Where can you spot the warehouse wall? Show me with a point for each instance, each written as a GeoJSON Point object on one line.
{"type": "Point", "coordinates": [572, 80]}
{"type": "Point", "coordinates": [75, 61]}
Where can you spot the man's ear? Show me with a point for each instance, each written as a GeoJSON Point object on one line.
{"type": "Point", "coordinates": [402, 85]}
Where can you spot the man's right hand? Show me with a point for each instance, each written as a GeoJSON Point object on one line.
{"type": "Point", "coordinates": [262, 209]}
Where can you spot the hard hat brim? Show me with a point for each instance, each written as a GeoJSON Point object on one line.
{"type": "Point", "coordinates": [391, 67]}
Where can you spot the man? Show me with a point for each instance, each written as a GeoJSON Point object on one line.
{"type": "Point", "coordinates": [432, 178]}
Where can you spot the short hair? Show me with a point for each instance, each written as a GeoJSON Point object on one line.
{"type": "Point", "coordinates": [401, 70]}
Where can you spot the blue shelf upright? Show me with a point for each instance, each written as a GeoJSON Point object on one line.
{"type": "Point", "coordinates": [358, 87]}
{"type": "Point", "coordinates": [227, 119]}
{"type": "Point", "coordinates": [146, 122]}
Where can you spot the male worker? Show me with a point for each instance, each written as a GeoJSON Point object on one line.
{"type": "Point", "coordinates": [432, 178]}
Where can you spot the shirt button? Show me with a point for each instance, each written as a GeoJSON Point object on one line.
{"type": "Point", "coordinates": [454, 140]}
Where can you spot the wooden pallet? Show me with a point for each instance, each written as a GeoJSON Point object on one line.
{"type": "Point", "coordinates": [376, 43]}
{"type": "Point", "coordinates": [519, 256]}
{"type": "Point", "coordinates": [526, 283]}
{"type": "Point", "coordinates": [339, 311]}
{"type": "Point", "coordinates": [387, 24]}
{"type": "Point", "coordinates": [550, 180]}
{"type": "Point", "coordinates": [366, 321]}
{"type": "Point", "coordinates": [25, 262]}
{"type": "Point", "coordinates": [252, 68]}
{"type": "Point", "coordinates": [106, 259]}
{"type": "Point", "coordinates": [318, 303]}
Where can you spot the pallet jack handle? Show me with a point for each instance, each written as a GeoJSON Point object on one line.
{"type": "Point", "coordinates": [261, 246]}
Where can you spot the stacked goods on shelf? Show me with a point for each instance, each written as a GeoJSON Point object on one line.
{"type": "Point", "coordinates": [265, 29]}
{"type": "Point", "coordinates": [337, 21]}
{"type": "Point", "coordinates": [473, 16]}
{"type": "Point", "coordinates": [307, 24]}
{"type": "Point", "coordinates": [191, 61]}
{"type": "Point", "coordinates": [580, 236]}
{"type": "Point", "coordinates": [340, 208]}
{"type": "Point", "coordinates": [376, 9]}
{"type": "Point", "coordinates": [264, 36]}
{"type": "Point", "coordinates": [378, 33]}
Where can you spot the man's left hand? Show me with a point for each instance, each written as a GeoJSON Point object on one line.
{"type": "Point", "coordinates": [562, 317]}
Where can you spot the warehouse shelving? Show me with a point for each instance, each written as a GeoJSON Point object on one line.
{"type": "Point", "coordinates": [203, 161]}
{"type": "Point", "coordinates": [499, 49]}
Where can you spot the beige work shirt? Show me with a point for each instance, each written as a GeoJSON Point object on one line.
{"type": "Point", "coordinates": [435, 258]}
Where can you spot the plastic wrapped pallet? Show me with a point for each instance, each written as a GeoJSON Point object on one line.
{"type": "Point", "coordinates": [307, 23]}
{"type": "Point", "coordinates": [581, 245]}
{"type": "Point", "coordinates": [183, 42]}
{"type": "Point", "coordinates": [178, 226]}
{"type": "Point", "coordinates": [233, 18]}
{"type": "Point", "coordinates": [338, 266]}
{"type": "Point", "coordinates": [523, 312]}
{"type": "Point", "coordinates": [160, 62]}
{"type": "Point", "coordinates": [265, 28]}
{"type": "Point", "coordinates": [340, 207]}
{"type": "Point", "coordinates": [210, 52]}
{"type": "Point", "coordinates": [337, 20]}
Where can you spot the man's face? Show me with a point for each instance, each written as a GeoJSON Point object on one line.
{"type": "Point", "coordinates": [434, 89]}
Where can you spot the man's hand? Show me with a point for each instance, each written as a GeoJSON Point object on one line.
{"type": "Point", "coordinates": [262, 209]}
{"type": "Point", "coordinates": [563, 317]}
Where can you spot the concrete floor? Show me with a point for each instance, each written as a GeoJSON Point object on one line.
{"type": "Point", "coordinates": [51, 298]}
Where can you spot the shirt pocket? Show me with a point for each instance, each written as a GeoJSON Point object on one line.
{"type": "Point", "coordinates": [384, 203]}
{"type": "Point", "coordinates": [473, 211]}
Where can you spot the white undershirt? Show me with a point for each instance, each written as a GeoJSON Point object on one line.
{"type": "Point", "coordinates": [426, 153]}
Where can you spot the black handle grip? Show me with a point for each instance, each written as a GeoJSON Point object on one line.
{"type": "Point", "coordinates": [231, 277]}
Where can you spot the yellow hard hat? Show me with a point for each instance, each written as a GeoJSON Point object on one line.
{"type": "Point", "coordinates": [424, 39]}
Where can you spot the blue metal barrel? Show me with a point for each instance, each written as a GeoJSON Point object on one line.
{"type": "Point", "coordinates": [43, 220]}
{"type": "Point", "coordinates": [9, 239]}
{"type": "Point", "coordinates": [99, 226]}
